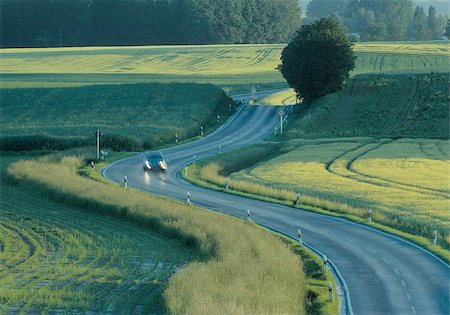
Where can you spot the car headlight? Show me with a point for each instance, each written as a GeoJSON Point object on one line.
{"type": "Point", "coordinates": [162, 165]}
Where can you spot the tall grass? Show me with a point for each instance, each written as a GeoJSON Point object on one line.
{"type": "Point", "coordinates": [259, 276]}
{"type": "Point", "coordinates": [55, 257]}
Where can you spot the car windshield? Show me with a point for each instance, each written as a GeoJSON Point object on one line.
{"type": "Point", "coordinates": [155, 156]}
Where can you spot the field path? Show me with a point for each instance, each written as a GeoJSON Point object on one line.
{"type": "Point", "coordinates": [379, 273]}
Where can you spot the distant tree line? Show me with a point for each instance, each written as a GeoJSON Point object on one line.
{"type": "Point", "coordinates": [381, 20]}
{"type": "Point", "coordinates": [43, 23]}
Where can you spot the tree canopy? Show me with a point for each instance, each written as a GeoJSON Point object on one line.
{"type": "Point", "coordinates": [318, 60]}
{"type": "Point", "coordinates": [43, 23]}
{"type": "Point", "coordinates": [381, 20]}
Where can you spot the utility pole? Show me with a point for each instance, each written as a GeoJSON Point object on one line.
{"type": "Point", "coordinates": [98, 134]}
{"type": "Point", "coordinates": [281, 113]}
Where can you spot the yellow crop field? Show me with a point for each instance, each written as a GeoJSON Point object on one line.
{"type": "Point", "coordinates": [404, 182]}
{"type": "Point", "coordinates": [286, 97]}
{"type": "Point", "coordinates": [178, 60]}
{"type": "Point", "coordinates": [219, 64]}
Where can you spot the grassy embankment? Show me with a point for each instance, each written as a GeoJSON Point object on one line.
{"type": "Point", "coordinates": [261, 275]}
{"type": "Point", "coordinates": [404, 181]}
{"type": "Point", "coordinates": [54, 257]}
{"type": "Point", "coordinates": [234, 67]}
{"type": "Point", "coordinates": [136, 117]}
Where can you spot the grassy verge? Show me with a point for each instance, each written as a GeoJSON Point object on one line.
{"type": "Point", "coordinates": [262, 275]}
{"type": "Point", "coordinates": [55, 258]}
{"type": "Point", "coordinates": [273, 181]}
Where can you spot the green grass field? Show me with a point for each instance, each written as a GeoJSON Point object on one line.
{"type": "Point", "coordinates": [248, 274]}
{"type": "Point", "coordinates": [137, 116]}
{"type": "Point", "coordinates": [232, 66]}
{"type": "Point", "coordinates": [378, 106]}
{"type": "Point", "coordinates": [56, 258]}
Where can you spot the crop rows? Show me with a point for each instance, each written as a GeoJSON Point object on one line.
{"type": "Point", "coordinates": [404, 182]}
{"type": "Point", "coordinates": [130, 116]}
{"type": "Point", "coordinates": [54, 258]}
{"type": "Point", "coordinates": [219, 64]}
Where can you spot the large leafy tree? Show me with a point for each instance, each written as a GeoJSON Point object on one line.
{"type": "Point", "coordinates": [318, 60]}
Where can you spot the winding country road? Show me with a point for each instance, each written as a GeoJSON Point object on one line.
{"type": "Point", "coordinates": [380, 273]}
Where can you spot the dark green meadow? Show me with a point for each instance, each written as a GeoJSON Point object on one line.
{"type": "Point", "coordinates": [131, 116]}
{"type": "Point", "coordinates": [394, 106]}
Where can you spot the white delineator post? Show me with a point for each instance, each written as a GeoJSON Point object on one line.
{"type": "Point", "coordinates": [325, 261]}
{"type": "Point", "coordinates": [297, 201]}
{"type": "Point", "coordinates": [369, 215]}
{"type": "Point", "coordinates": [248, 214]}
{"type": "Point", "coordinates": [330, 290]}
{"type": "Point", "coordinates": [125, 181]}
{"type": "Point", "coordinates": [188, 197]}
{"type": "Point", "coordinates": [435, 235]}
{"type": "Point", "coordinates": [185, 171]}
{"type": "Point", "coordinates": [300, 239]}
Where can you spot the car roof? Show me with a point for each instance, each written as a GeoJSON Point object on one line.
{"type": "Point", "coordinates": [155, 155]}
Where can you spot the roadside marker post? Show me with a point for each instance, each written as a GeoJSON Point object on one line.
{"type": "Point", "coordinates": [219, 150]}
{"type": "Point", "coordinates": [176, 137]}
{"type": "Point", "coordinates": [185, 171]}
{"type": "Point", "coordinates": [201, 131]}
{"type": "Point", "coordinates": [253, 90]}
{"type": "Point", "coordinates": [369, 215]}
{"type": "Point", "coordinates": [297, 201]}
{"type": "Point", "coordinates": [226, 183]}
{"type": "Point", "coordinates": [325, 261]}
{"type": "Point", "coordinates": [300, 239]}
{"type": "Point", "coordinates": [125, 181]}
{"type": "Point", "coordinates": [92, 164]}
{"type": "Point", "coordinates": [218, 118]}
{"type": "Point", "coordinates": [330, 290]}
{"type": "Point", "coordinates": [193, 159]}
{"type": "Point", "coordinates": [435, 235]}
{"type": "Point", "coordinates": [188, 197]}
{"type": "Point", "coordinates": [248, 214]}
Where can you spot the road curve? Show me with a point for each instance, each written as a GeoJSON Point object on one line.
{"type": "Point", "coordinates": [384, 274]}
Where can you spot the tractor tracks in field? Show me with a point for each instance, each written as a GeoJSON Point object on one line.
{"type": "Point", "coordinates": [403, 114]}
{"type": "Point", "coordinates": [350, 172]}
